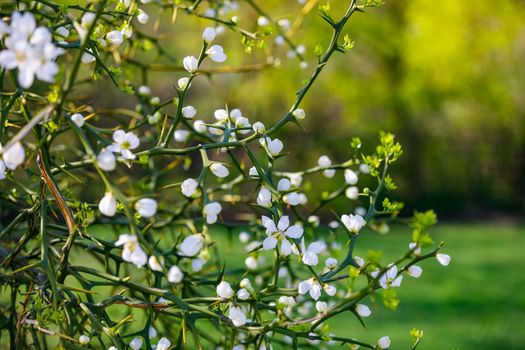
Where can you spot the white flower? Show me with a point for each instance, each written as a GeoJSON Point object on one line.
{"type": "Point", "coordinates": [237, 316]}
{"type": "Point", "coordinates": [2, 170]}
{"type": "Point", "coordinates": [259, 128]}
{"type": "Point", "coordinates": [191, 245]}
{"type": "Point", "coordinates": [333, 224]}
{"type": "Point", "coordinates": [87, 19]}
{"type": "Point", "coordinates": [212, 210]}
{"type": "Point", "coordinates": [78, 119]}
{"type": "Point", "coordinates": [330, 290]}
{"type": "Point", "coordinates": [190, 63]}
{"type": "Point", "coordinates": [155, 264]}
{"type": "Point", "coordinates": [189, 112]}
{"type": "Point", "coordinates": [136, 343]}
{"type": "Point", "coordinates": [84, 339]}
{"type": "Point", "coordinates": [146, 207]}
{"type": "Point", "coordinates": [251, 263]}
{"type": "Point", "coordinates": [389, 278]}
{"type": "Point", "coordinates": [196, 264]}
{"type": "Point", "coordinates": [443, 259]}
{"type": "Point", "coordinates": [354, 223]}
{"type": "Point", "coordinates": [216, 53]}
{"type": "Point", "coordinates": [262, 21]}
{"type": "Point", "coordinates": [200, 126]}
{"type": "Point", "coordinates": [310, 285]}
{"type": "Point", "coordinates": [310, 255]}
{"type": "Point", "coordinates": [281, 232]}
{"type": "Point", "coordinates": [13, 156]}
{"type": "Point", "coordinates": [155, 100]}
{"type": "Point", "coordinates": [124, 142]}
{"type": "Point", "coordinates": [87, 57]}
{"type": "Point", "coordinates": [142, 17]}
{"type": "Point", "coordinates": [29, 49]}
{"type": "Point", "coordinates": [244, 237]}
{"type": "Point", "coordinates": [296, 179]}
{"type": "Point", "coordinates": [321, 306]}
{"type": "Point", "coordinates": [152, 332]}
{"type": "Point", "coordinates": [284, 184]}
{"type": "Point", "coordinates": [175, 274]}
{"type": "Point", "coordinates": [253, 172]}
{"type": "Point", "coordinates": [219, 170]}
{"type": "Point", "coordinates": [359, 261]}
{"type": "Point", "coordinates": [264, 197]}
{"type": "Point", "coordinates": [283, 22]}
{"type": "Point", "coordinates": [363, 310]}
{"type": "Point", "coordinates": [115, 37]}
{"type": "Point", "coordinates": [299, 113]}
{"type": "Point", "coordinates": [224, 290]}
{"type": "Point", "coordinates": [183, 82]}
{"type": "Point", "coordinates": [364, 168]}
{"type": "Point", "coordinates": [181, 135]}
{"type": "Point", "coordinates": [108, 204]}
{"type": "Point", "coordinates": [350, 177]}
{"type": "Point", "coordinates": [242, 123]}
{"type": "Point", "coordinates": [245, 283]}
{"type": "Point", "coordinates": [330, 263]}
{"type": "Point", "coordinates": [415, 248]}
{"type": "Point", "coordinates": [163, 344]}
{"type": "Point", "coordinates": [106, 160]}
{"type": "Point", "coordinates": [324, 162]}
{"type": "Point", "coordinates": [415, 271]}
{"type": "Point", "coordinates": [221, 115]}
{"type": "Point", "coordinates": [132, 252]}
{"type": "Point", "coordinates": [144, 90]}
{"type": "Point", "coordinates": [285, 300]}
{"type": "Point", "coordinates": [208, 34]}
{"type": "Point", "coordinates": [292, 198]}
{"type": "Point", "coordinates": [188, 187]}
{"type": "Point", "coordinates": [383, 342]}
{"type": "Point", "coordinates": [329, 173]}
{"type": "Point", "coordinates": [243, 294]}
{"type": "Point", "coordinates": [60, 31]}
{"type": "Point", "coordinates": [274, 146]}
{"type": "Point", "coordinates": [352, 192]}
{"type": "Point", "coordinates": [279, 40]}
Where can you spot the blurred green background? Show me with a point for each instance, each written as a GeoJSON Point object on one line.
{"type": "Point", "coordinates": [446, 77]}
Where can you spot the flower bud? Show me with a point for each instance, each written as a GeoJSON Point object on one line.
{"type": "Point", "coordinates": [224, 290]}
{"type": "Point", "coordinates": [189, 112]}
{"type": "Point", "coordinates": [78, 119]}
{"type": "Point", "coordinates": [209, 34]}
{"type": "Point", "coordinates": [383, 342]}
{"type": "Point", "coordinates": [321, 306]}
{"type": "Point", "coordinates": [14, 156]}
{"type": "Point", "coordinates": [190, 63]}
{"type": "Point", "coordinates": [363, 310]}
{"type": "Point", "coordinates": [175, 274]}
{"type": "Point", "coordinates": [299, 114]}
{"type": "Point", "coordinates": [188, 187]}
{"type": "Point", "coordinates": [84, 339]}
{"type": "Point", "coordinates": [219, 170]}
{"type": "Point", "coordinates": [108, 204]}
{"type": "Point", "coordinates": [191, 245]}
{"type": "Point", "coordinates": [146, 207]}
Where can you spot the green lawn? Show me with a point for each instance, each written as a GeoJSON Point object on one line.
{"type": "Point", "coordinates": [477, 302]}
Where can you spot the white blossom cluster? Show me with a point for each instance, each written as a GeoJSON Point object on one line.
{"type": "Point", "coordinates": [295, 271]}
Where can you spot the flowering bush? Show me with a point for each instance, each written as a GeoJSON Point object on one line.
{"type": "Point", "coordinates": [103, 212]}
